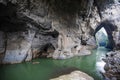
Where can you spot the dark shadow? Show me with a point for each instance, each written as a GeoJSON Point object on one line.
{"type": "Point", "coordinates": [8, 18]}
{"type": "Point", "coordinates": [109, 27]}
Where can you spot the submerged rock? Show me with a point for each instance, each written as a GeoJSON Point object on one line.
{"type": "Point", "coordinates": [75, 75]}
{"type": "Point", "coordinates": [35, 62]}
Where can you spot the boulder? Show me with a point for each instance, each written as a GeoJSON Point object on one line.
{"type": "Point", "coordinates": [75, 75]}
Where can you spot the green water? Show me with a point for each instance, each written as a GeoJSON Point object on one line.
{"type": "Point", "coordinates": [49, 68]}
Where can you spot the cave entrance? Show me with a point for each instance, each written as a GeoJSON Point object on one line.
{"type": "Point", "coordinates": [103, 34]}
{"type": "Point", "coordinates": [101, 37]}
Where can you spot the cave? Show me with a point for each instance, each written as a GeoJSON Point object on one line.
{"type": "Point", "coordinates": [59, 39]}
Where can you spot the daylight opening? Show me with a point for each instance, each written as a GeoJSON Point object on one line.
{"type": "Point", "coordinates": [102, 38]}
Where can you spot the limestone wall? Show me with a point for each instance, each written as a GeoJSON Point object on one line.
{"type": "Point", "coordinates": [30, 25]}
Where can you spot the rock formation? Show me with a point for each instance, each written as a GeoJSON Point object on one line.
{"type": "Point", "coordinates": [28, 28]}
{"type": "Point", "coordinates": [53, 28]}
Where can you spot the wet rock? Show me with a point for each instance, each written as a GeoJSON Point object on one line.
{"type": "Point", "coordinates": [112, 66]}
{"type": "Point", "coordinates": [75, 75]}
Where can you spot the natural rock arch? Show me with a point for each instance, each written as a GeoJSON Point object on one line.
{"type": "Point", "coordinates": [109, 27]}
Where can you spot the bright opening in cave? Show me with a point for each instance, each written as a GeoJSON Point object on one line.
{"type": "Point", "coordinates": [102, 37]}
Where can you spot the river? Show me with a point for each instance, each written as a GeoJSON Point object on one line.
{"type": "Point", "coordinates": [49, 68]}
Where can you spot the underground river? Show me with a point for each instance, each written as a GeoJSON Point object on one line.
{"type": "Point", "coordinates": [49, 68]}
